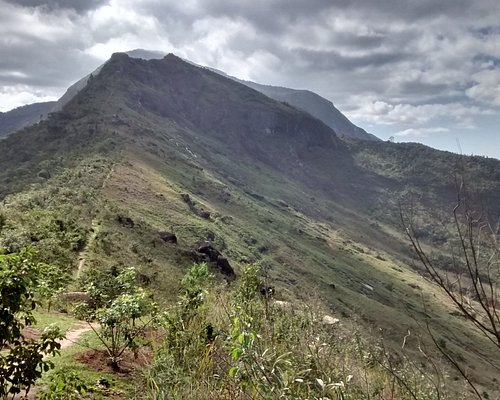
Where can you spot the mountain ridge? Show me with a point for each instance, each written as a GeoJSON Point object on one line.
{"type": "Point", "coordinates": [320, 108]}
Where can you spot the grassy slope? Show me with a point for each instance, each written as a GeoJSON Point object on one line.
{"type": "Point", "coordinates": [316, 241]}
{"type": "Point", "coordinates": [307, 258]}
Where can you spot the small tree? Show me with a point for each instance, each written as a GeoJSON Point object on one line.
{"type": "Point", "coordinates": [122, 308]}
{"type": "Point", "coordinates": [21, 359]}
{"type": "Point", "coordinates": [472, 281]}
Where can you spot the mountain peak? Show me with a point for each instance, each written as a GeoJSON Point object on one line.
{"type": "Point", "coordinates": [172, 57]}
{"type": "Point", "coordinates": [119, 56]}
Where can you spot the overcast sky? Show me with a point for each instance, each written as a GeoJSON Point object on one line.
{"type": "Point", "coordinates": [418, 70]}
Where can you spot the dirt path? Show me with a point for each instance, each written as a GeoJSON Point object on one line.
{"type": "Point", "coordinates": [74, 334]}
{"type": "Point", "coordinates": [82, 256]}
{"type": "Point", "coordinates": [71, 337]}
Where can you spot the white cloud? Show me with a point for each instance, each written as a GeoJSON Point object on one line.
{"type": "Point", "coordinates": [486, 87]}
{"type": "Point", "coordinates": [419, 132]}
{"type": "Point", "coordinates": [408, 65]}
{"type": "Point", "coordinates": [12, 97]}
{"type": "Point", "coordinates": [383, 113]}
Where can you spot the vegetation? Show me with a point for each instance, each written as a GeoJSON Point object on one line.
{"type": "Point", "coordinates": [94, 188]}
{"type": "Point", "coordinates": [122, 309]}
{"type": "Point", "coordinates": [472, 280]}
{"type": "Point", "coordinates": [237, 344]}
{"type": "Point", "coordinates": [21, 358]}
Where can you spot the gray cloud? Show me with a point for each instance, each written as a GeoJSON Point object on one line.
{"type": "Point", "coordinates": [387, 63]}
{"type": "Point", "coordinates": [52, 5]}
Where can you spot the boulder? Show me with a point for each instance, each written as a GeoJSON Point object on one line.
{"type": "Point", "coordinates": [168, 237]}
{"type": "Point", "coordinates": [204, 214]}
{"type": "Point", "coordinates": [186, 198]}
{"type": "Point", "coordinates": [284, 305]}
{"type": "Point", "coordinates": [225, 267]}
{"type": "Point", "coordinates": [209, 250]}
{"type": "Point", "coordinates": [329, 320]}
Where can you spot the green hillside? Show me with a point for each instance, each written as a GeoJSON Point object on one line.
{"type": "Point", "coordinates": [164, 146]}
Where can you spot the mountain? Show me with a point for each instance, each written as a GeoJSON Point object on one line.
{"type": "Point", "coordinates": [317, 106]}
{"type": "Point", "coordinates": [150, 147]}
{"type": "Point", "coordinates": [31, 114]}
{"type": "Point", "coordinates": [314, 104]}
{"type": "Point", "coordinates": [73, 90]}
{"type": "Point", "coordinates": [21, 117]}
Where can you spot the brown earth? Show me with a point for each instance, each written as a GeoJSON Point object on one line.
{"type": "Point", "coordinates": [98, 360]}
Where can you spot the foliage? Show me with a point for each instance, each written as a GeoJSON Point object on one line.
{"type": "Point", "coordinates": [471, 280]}
{"type": "Point", "coordinates": [258, 350]}
{"type": "Point", "coordinates": [121, 307]}
{"type": "Point", "coordinates": [21, 359]}
{"type": "Point", "coordinates": [186, 328]}
{"type": "Point", "coordinates": [66, 386]}
{"type": "Point", "coordinates": [53, 280]}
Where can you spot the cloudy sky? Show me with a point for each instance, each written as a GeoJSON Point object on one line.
{"type": "Point", "coordinates": [416, 70]}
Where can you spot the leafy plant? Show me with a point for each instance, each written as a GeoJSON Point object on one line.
{"type": "Point", "coordinates": [123, 310]}
{"type": "Point", "coordinates": [66, 386]}
{"type": "Point", "coordinates": [21, 359]}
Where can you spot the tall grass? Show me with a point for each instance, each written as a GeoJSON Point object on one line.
{"type": "Point", "coordinates": [224, 342]}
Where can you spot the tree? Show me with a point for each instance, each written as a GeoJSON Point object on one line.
{"type": "Point", "coordinates": [21, 359]}
{"type": "Point", "coordinates": [472, 281]}
{"type": "Point", "coordinates": [121, 307]}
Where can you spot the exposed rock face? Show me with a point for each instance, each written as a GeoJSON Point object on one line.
{"type": "Point", "coordinates": [209, 250]}
{"type": "Point", "coordinates": [215, 256]}
{"type": "Point", "coordinates": [168, 237]}
{"type": "Point", "coordinates": [225, 267]}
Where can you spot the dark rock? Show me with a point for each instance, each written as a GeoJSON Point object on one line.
{"type": "Point", "coordinates": [210, 236]}
{"type": "Point", "coordinates": [197, 257]}
{"type": "Point", "coordinates": [168, 237]}
{"type": "Point", "coordinates": [225, 267]}
{"type": "Point", "coordinates": [186, 198]}
{"type": "Point", "coordinates": [103, 382]}
{"type": "Point", "coordinates": [267, 291]}
{"type": "Point", "coordinates": [204, 214]}
{"type": "Point", "coordinates": [143, 279]}
{"type": "Point", "coordinates": [209, 250]}
{"type": "Point", "coordinates": [125, 221]}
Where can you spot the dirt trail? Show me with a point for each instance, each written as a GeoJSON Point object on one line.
{"type": "Point", "coordinates": [74, 334]}
{"type": "Point", "coordinates": [71, 337]}
{"type": "Point", "coordinates": [82, 256]}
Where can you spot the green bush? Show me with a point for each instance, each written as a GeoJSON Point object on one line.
{"type": "Point", "coordinates": [233, 343]}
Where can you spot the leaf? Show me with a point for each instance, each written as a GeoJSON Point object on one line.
{"type": "Point", "coordinates": [233, 371]}
{"type": "Point", "coordinates": [236, 353]}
